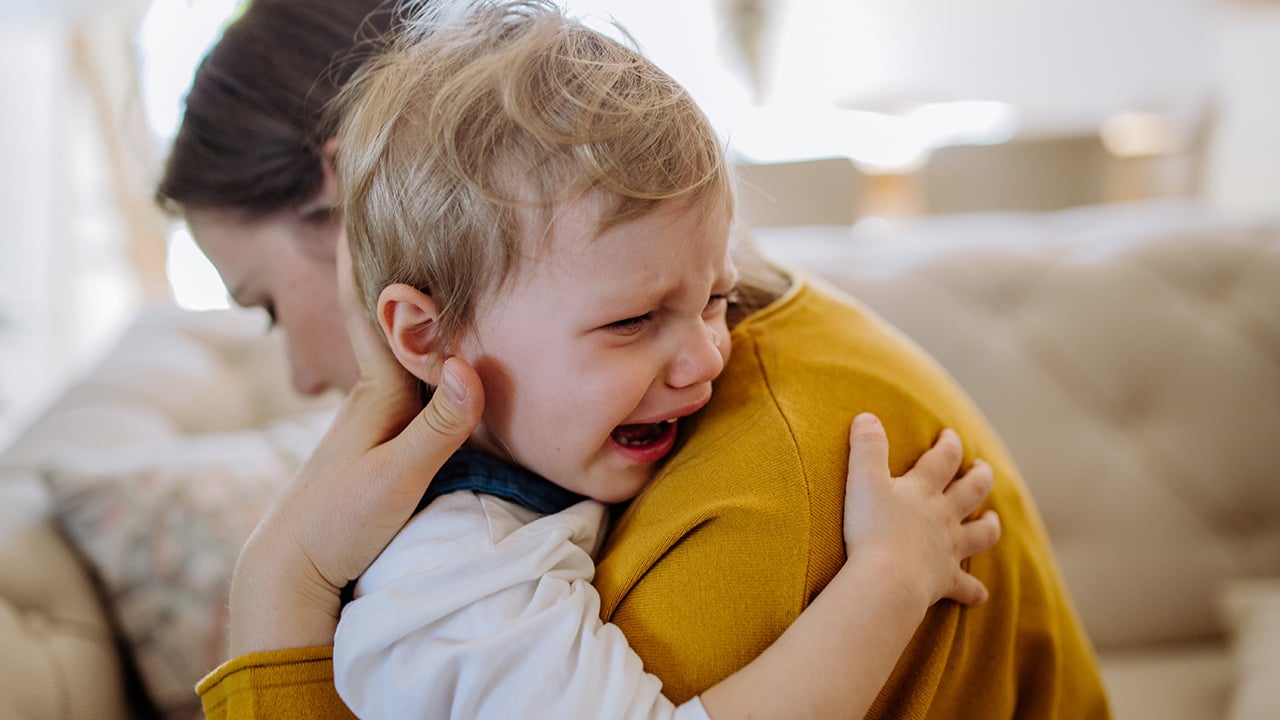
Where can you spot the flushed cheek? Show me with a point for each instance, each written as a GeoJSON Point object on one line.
{"type": "Point", "coordinates": [559, 439]}
{"type": "Point", "coordinates": [501, 402]}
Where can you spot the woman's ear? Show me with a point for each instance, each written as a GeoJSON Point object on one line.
{"type": "Point", "coordinates": [319, 220]}
{"type": "Point", "coordinates": [410, 322]}
{"type": "Point", "coordinates": [327, 197]}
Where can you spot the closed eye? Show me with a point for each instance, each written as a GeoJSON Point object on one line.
{"type": "Point", "coordinates": [721, 301]}
{"type": "Point", "coordinates": [629, 326]}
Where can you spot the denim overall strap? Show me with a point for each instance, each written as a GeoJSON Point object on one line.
{"type": "Point", "coordinates": [478, 471]}
{"type": "Point", "coordinates": [469, 469]}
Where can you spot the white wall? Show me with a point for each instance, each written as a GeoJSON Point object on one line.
{"type": "Point", "coordinates": [1064, 65]}
{"type": "Point", "coordinates": [1051, 57]}
{"type": "Point", "coordinates": [65, 284]}
{"type": "Point", "coordinates": [1244, 171]}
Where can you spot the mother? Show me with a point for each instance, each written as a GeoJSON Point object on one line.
{"type": "Point", "coordinates": [757, 513]}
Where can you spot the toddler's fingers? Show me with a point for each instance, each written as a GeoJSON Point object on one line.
{"type": "Point", "coordinates": [868, 448]}
{"type": "Point", "coordinates": [967, 492]}
{"type": "Point", "coordinates": [941, 462]}
{"type": "Point", "coordinates": [968, 590]}
{"type": "Point", "coordinates": [980, 534]}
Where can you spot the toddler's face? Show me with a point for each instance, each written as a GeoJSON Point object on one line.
{"type": "Point", "coordinates": [591, 356]}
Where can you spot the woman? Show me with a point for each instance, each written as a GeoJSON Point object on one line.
{"type": "Point", "coordinates": [251, 172]}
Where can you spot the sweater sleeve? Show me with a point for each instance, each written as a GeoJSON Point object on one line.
{"type": "Point", "coordinates": [295, 683]}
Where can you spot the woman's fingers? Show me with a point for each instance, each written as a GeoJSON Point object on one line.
{"type": "Point", "coordinates": [372, 354]}
{"type": "Point", "coordinates": [390, 479]}
{"type": "Point", "coordinates": [443, 425]}
{"type": "Point", "coordinates": [386, 397]}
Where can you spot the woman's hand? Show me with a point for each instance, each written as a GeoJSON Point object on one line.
{"type": "Point", "coordinates": [354, 494]}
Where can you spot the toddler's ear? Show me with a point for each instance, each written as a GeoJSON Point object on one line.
{"type": "Point", "coordinates": [408, 318]}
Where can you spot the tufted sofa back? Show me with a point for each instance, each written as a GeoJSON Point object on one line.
{"type": "Point", "coordinates": [1130, 360]}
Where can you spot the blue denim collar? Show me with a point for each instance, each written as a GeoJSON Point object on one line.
{"type": "Point", "coordinates": [470, 469]}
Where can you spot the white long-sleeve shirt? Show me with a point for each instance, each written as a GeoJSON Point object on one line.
{"type": "Point", "coordinates": [481, 608]}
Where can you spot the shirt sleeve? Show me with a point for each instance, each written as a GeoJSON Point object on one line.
{"type": "Point", "coordinates": [482, 609]}
{"type": "Point", "coordinates": [273, 684]}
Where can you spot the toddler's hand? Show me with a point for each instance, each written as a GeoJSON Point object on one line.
{"type": "Point", "coordinates": [917, 527]}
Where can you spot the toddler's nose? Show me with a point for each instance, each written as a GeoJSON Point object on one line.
{"type": "Point", "coordinates": [700, 360]}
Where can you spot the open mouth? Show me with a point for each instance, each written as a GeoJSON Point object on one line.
{"type": "Point", "coordinates": [645, 442]}
{"type": "Point", "coordinates": [639, 436]}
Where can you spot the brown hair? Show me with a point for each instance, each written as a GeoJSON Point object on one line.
{"type": "Point", "coordinates": [254, 127]}
{"type": "Point", "coordinates": [485, 116]}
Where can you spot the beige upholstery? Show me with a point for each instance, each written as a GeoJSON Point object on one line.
{"type": "Point", "coordinates": [1130, 358]}
{"type": "Point", "coordinates": [174, 374]}
{"type": "Point", "coordinates": [59, 655]}
{"type": "Point", "coordinates": [1012, 175]}
{"type": "Point", "coordinates": [1129, 355]}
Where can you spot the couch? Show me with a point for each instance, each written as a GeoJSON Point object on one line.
{"type": "Point", "coordinates": [1129, 355]}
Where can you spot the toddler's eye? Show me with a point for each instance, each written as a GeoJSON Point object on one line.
{"type": "Point", "coordinates": [720, 301]}
{"type": "Point", "coordinates": [629, 326]}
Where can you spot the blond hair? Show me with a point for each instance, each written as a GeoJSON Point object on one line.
{"type": "Point", "coordinates": [483, 110]}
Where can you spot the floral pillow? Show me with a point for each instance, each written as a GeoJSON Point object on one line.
{"type": "Point", "coordinates": [161, 524]}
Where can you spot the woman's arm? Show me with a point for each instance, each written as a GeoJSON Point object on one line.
{"type": "Point", "coordinates": [349, 500]}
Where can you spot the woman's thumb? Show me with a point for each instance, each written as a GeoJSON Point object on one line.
{"type": "Point", "coordinates": [454, 409]}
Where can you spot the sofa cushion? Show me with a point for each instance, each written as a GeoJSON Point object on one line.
{"type": "Point", "coordinates": [1171, 682]}
{"type": "Point", "coordinates": [160, 525]}
{"type": "Point", "coordinates": [1252, 610]}
{"type": "Point", "coordinates": [129, 424]}
{"type": "Point", "coordinates": [59, 651]}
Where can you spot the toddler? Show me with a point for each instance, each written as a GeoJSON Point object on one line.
{"type": "Point", "coordinates": [540, 200]}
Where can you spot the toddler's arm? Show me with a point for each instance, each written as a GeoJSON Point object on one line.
{"type": "Point", "coordinates": [905, 539]}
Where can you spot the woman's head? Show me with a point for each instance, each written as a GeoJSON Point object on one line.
{"type": "Point", "coordinates": [468, 135]}
{"type": "Point", "coordinates": [251, 167]}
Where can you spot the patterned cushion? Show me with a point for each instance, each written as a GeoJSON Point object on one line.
{"type": "Point", "coordinates": [161, 523]}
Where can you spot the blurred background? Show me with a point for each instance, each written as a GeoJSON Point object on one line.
{"type": "Point", "coordinates": [846, 112]}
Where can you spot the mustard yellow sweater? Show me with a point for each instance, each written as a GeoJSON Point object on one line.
{"type": "Point", "coordinates": [742, 529]}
